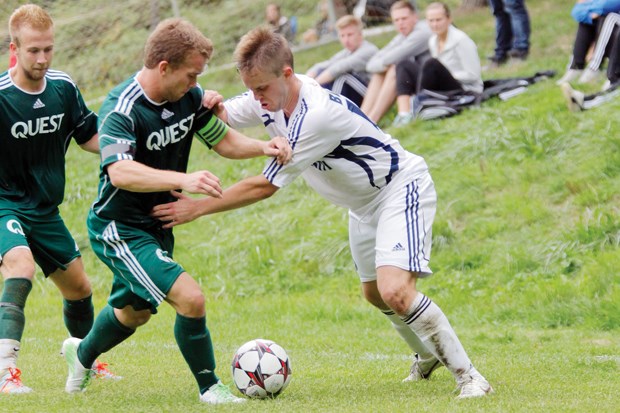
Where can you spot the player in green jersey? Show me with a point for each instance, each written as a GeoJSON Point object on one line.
{"type": "Point", "coordinates": [146, 126]}
{"type": "Point", "coordinates": [40, 111]}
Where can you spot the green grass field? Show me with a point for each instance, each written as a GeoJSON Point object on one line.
{"type": "Point", "coordinates": [526, 255]}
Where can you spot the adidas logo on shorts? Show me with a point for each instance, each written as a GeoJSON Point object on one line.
{"type": "Point", "coordinates": [398, 247]}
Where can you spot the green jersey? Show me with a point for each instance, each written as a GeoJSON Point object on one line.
{"type": "Point", "coordinates": [35, 132]}
{"type": "Point", "coordinates": [159, 135]}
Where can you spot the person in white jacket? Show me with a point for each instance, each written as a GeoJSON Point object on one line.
{"type": "Point", "coordinates": [454, 64]}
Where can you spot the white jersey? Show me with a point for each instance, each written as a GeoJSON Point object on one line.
{"type": "Point", "coordinates": [340, 153]}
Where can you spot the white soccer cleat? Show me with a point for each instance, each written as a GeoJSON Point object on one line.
{"type": "Point", "coordinates": [569, 76]}
{"type": "Point", "coordinates": [79, 376]}
{"type": "Point", "coordinates": [574, 98]}
{"type": "Point", "coordinates": [473, 384]}
{"type": "Point", "coordinates": [422, 369]}
{"type": "Point", "coordinates": [11, 383]}
{"type": "Point", "coordinates": [589, 75]}
{"type": "Point", "coordinates": [219, 394]}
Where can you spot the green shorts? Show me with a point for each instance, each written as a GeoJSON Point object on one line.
{"type": "Point", "coordinates": [140, 260]}
{"type": "Point", "coordinates": [48, 239]}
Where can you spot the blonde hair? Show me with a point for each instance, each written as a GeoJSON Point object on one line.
{"type": "Point", "coordinates": [263, 49]}
{"type": "Point", "coordinates": [28, 15]}
{"type": "Point", "coordinates": [439, 5]}
{"type": "Point", "coordinates": [173, 40]}
{"type": "Point", "coordinates": [349, 20]}
{"type": "Point", "coordinates": [403, 5]}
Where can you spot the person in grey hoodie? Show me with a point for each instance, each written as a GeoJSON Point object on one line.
{"type": "Point", "coordinates": [411, 43]}
{"type": "Point", "coordinates": [345, 72]}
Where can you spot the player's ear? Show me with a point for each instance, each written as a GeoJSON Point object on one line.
{"type": "Point", "coordinates": [288, 71]}
{"type": "Point", "coordinates": [163, 66]}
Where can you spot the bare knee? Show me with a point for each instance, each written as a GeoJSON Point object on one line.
{"type": "Point", "coordinates": [371, 293]}
{"type": "Point", "coordinates": [191, 304]}
{"type": "Point", "coordinates": [398, 299]}
{"type": "Point", "coordinates": [72, 282]}
{"type": "Point", "coordinates": [18, 262]}
{"type": "Point", "coordinates": [397, 288]}
{"type": "Point", "coordinates": [131, 318]}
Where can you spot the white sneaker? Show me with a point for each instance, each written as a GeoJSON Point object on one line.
{"type": "Point", "coordinates": [218, 394]}
{"type": "Point", "coordinates": [569, 76]}
{"type": "Point", "coordinates": [589, 75]}
{"type": "Point", "coordinates": [574, 98]}
{"type": "Point", "coordinates": [472, 384]}
{"type": "Point", "coordinates": [11, 383]}
{"type": "Point", "coordinates": [606, 86]}
{"type": "Point", "coordinates": [422, 369]}
{"type": "Point", "coordinates": [79, 376]}
{"type": "Point", "coordinates": [402, 119]}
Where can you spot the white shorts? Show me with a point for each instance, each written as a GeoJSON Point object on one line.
{"type": "Point", "coordinates": [398, 232]}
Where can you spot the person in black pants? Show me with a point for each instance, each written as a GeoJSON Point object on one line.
{"type": "Point", "coordinates": [512, 30]}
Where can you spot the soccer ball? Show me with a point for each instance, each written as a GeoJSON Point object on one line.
{"type": "Point", "coordinates": [261, 369]}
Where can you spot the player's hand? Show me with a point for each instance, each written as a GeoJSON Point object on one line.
{"type": "Point", "coordinates": [211, 99]}
{"type": "Point", "coordinates": [202, 182]}
{"type": "Point", "coordinates": [279, 148]}
{"type": "Point", "coordinates": [184, 210]}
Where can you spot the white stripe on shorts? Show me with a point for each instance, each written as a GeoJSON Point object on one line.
{"type": "Point", "coordinates": [121, 249]}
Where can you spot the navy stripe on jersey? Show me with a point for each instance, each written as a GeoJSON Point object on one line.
{"type": "Point", "coordinates": [121, 251]}
{"type": "Point", "coordinates": [273, 168]}
{"type": "Point", "coordinates": [341, 152]}
{"type": "Point", "coordinates": [415, 314]}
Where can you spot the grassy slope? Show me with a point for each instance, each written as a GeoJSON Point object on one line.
{"type": "Point", "coordinates": [526, 252]}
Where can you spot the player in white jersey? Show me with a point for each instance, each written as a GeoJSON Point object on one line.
{"type": "Point", "coordinates": [347, 159]}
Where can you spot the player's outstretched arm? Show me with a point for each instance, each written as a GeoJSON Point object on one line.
{"type": "Point", "coordinates": [136, 177]}
{"type": "Point", "coordinates": [236, 145]}
{"type": "Point", "coordinates": [186, 209]}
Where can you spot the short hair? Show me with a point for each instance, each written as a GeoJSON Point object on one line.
{"type": "Point", "coordinates": [401, 4]}
{"type": "Point", "coordinates": [263, 49]}
{"type": "Point", "coordinates": [173, 40]}
{"type": "Point", "coordinates": [439, 5]}
{"type": "Point", "coordinates": [28, 15]}
{"type": "Point", "coordinates": [349, 20]}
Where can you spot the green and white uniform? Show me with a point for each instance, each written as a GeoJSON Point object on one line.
{"type": "Point", "coordinates": [122, 233]}
{"type": "Point", "coordinates": [35, 133]}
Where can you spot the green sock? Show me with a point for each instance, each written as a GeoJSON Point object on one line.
{"type": "Point", "coordinates": [12, 303]}
{"type": "Point", "coordinates": [194, 341]}
{"type": "Point", "coordinates": [107, 332]}
{"type": "Point", "coordinates": [78, 316]}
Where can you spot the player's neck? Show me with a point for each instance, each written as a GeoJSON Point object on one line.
{"type": "Point", "coordinates": [290, 102]}
{"type": "Point", "coordinates": [149, 85]}
{"type": "Point", "coordinates": [24, 83]}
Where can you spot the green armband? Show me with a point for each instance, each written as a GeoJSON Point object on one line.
{"type": "Point", "coordinates": [213, 132]}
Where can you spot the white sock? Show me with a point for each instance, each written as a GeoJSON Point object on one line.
{"type": "Point", "coordinates": [8, 353]}
{"type": "Point", "coordinates": [430, 324]}
{"type": "Point", "coordinates": [412, 340]}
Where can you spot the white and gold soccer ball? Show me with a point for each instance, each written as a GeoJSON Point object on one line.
{"type": "Point", "coordinates": [261, 369]}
